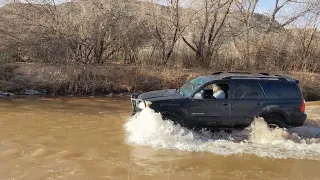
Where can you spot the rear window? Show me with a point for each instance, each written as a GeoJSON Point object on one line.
{"type": "Point", "coordinates": [280, 90]}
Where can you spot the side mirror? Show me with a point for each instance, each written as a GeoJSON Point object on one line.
{"type": "Point", "coordinates": [199, 95]}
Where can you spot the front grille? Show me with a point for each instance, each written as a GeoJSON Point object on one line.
{"type": "Point", "coordinates": [134, 102]}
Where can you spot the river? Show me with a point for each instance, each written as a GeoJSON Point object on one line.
{"type": "Point", "coordinates": [94, 138]}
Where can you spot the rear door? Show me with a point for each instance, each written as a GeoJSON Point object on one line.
{"type": "Point", "coordinates": [283, 96]}
{"type": "Point", "coordinates": [246, 102]}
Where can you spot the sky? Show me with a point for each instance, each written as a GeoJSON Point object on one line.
{"type": "Point", "coordinates": [264, 6]}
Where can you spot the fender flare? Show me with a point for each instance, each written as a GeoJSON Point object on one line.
{"type": "Point", "coordinates": [173, 116]}
{"type": "Point", "coordinates": [272, 110]}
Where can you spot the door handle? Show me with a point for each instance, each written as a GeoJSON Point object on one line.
{"type": "Point", "coordinates": [225, 104]}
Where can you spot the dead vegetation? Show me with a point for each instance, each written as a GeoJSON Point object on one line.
{"type": "Point", "coordinates": [224, 34]}
{"type": "Point", "coordinates": [73, 47]}
{"type": "Point", "coordinates": [80, 79]}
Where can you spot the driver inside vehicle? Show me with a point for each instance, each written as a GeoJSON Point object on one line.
{"type": "Point", "coordinates": [218, 93]}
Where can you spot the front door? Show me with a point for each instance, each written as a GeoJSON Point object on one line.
{"type": "Point", "coordinates": [210, 112]}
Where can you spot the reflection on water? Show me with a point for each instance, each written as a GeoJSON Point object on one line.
{"type": "Point", "coordinates": [93, 138]}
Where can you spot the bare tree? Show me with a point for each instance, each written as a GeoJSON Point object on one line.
{"type": "Point", "coordinates": [252, 42]}
{"type": "Point", "coordinates": [302, 6]}
{"type": "Point", "coordinates": [229, 33]}
{"type": "Point", "coordinates": [166, 27]}
{"type": "Point", "coordinates": [26, 24]}
{"type": "Point", "coordinates": [306, 44]}
{"type": "Point", "coordinates": [206, 41]}
{"type": "Point", "coordinates": [246, 9]}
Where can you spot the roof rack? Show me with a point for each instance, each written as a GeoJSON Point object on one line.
{"type": "Point", "coordinates": [239, 72]}
{"type": "Point", "coordinates": [247, 75]}
{"type": "Point", "coordinates": [216, 73]}
{"type": "Point", "coordinates": [256, 77]}
{"type": "Point", "coordinates": [230, 72]}
{"type": "Point", "coordinates": [263, 73]}
{"type": "Point", "coordinates": [288, 78]}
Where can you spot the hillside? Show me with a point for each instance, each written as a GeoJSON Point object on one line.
{"type": "Point", "coordinates": [76, 48]}
{"type": "Point", "coordinates": [30, 27]}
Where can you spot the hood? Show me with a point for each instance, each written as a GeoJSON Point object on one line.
{"type": "Point", "coordinates": [161, 95]}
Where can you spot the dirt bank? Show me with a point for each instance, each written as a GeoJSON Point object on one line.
{"type": "Point", "coordinates": [111, 78]}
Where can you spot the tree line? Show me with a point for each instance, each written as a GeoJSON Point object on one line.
{"type": "Point", "coordinates": [221, 34]}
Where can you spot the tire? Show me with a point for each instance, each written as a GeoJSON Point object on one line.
{"type": "Point", "coordinates": [276, 120]}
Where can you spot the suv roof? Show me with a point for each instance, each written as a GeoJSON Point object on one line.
{"type": "Point", "coordinates": [248, 75]}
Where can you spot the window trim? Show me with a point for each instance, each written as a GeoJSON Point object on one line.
{"type": "Point", "coordinates": [287, 85]}
{"type": "Point", "coordinates": [248, 81]}
{"type": "Point", "coordinates": [229, 82]}
{"type": "Point", "coordinates": [264, 93]}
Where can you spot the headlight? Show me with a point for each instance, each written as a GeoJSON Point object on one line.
{"type": "Point", "coordinates": [144, 104]}
{"type": "Point", "coordinates": [148, 103]}
{"type": "Point", "coordinates": [141, 105]}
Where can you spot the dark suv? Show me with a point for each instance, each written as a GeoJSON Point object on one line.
{"type": "Point", "coordinates": [276, 98]}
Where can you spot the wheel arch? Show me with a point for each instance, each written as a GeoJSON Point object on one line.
{"type": "Point", "coordinates": [174, 116]}
{"type": "Point", "coordinates": [272, 111]}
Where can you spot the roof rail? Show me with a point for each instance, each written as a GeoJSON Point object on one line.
{"type": "Point", "coordinates": [231, 72]}
{"type": "Point", "coordinates": [263, 73]}
{"type": "Point", "coordinates": [256, 77]}
{"type": "Point", "coordinates": [216, 73]}
{"type": "Point", "coordinates": [238, 72]}
{"type": "Point", "coordinates": [288, 78]}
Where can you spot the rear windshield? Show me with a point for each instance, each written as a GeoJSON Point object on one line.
{"type": "Point", "coordinates": [280, 90]}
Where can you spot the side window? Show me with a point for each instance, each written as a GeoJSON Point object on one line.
{"type": "Point", "coordinates": [277, 90]}
{"type": "Point", "coordinates": [248, 90]}
{"type": "Point", "coordinates": [208, 90]}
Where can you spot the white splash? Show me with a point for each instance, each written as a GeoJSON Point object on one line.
{"type": "Point", "coordinates": [147, 128]}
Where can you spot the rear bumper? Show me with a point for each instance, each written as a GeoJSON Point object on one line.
{"type": "Point", "coordinates": [298, 119]}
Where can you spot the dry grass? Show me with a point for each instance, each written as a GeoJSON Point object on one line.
{"type": "Point", "coordinates": [310, 84]}
{"type": "Point", "coordinates": [112, 78]}
{"type": "Point", "coordinates": [144, 33]}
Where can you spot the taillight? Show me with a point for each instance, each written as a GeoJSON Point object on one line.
{"type": "Point", "coordinates": [303, 106]}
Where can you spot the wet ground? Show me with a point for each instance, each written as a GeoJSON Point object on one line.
{"type": "Point", "coordinates": [94, 138]}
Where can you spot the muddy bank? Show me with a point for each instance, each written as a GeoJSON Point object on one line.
{"type": "Point", "coordinates": [110, 79]}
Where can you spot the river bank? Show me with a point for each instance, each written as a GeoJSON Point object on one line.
{"type": "Point", "coordinates": [111, 79]}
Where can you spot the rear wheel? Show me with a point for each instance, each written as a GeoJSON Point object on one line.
{"type": "Point", "coordinates": [276, 120]}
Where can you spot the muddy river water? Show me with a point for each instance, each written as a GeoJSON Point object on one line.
{"type": "Point", "coordinates": [94, 138]}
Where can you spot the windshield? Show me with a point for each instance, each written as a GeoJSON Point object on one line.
{"type": "Point", "coordinates": [191, 86]}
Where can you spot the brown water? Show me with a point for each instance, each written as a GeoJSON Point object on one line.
{"type": "Point", "coordinates": [89, 138]}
